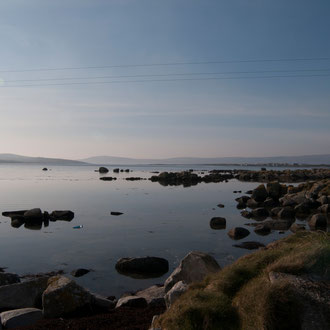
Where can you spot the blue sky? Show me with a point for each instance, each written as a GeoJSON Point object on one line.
{"type": "Point", "coordinates": [156, 119]}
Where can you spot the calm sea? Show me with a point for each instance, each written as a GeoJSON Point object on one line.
{"type": "Point", "coordinates": [157, 221]}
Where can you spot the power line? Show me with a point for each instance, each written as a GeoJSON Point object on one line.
{"type": "Point", "coordinates": [168, 75]}
{"type": "Point", "coordinates": [171, 64]}
{"type": "Point", "coordinates": [165, 80]}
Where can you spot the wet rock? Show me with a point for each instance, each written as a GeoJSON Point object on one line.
{"type": "Point", "coordinates": [221, 205]}
{"type": "Point", "coordinates": [218, 223]}
{"type": "Point", "coordinates": [154, 295]}
{"type": "Point", "coordinates": [9, 278]}
{"type": "Point", "coordinates": [286, 213]}
{"type": "Point", "coordinates": [251, 203]}
{"type": "Point", "coordinates": [146, 266]}
{"type": "Point", "coordinates": [116, 170]}
{"type": "Point", "coordinates": [246, 214]}
{"type": "Point", "coordinates": [21, 295]}
{"type": "Point", "coordinates": [108, 178]}
{"type": "Point", "coordinates": [132, 301]}
{"type": "Point", "coordinates": [238, 233]}
{"type": "Point", "coordinates": [33, 215]}
{"type": "Point", "coordinates": [103, 170]}
{"type": "Point", "coordinates": [260, 193]}
{"type": "Point", "coordinates": [318, 221]}
{"type": "Point", "coordinates": [260, 213]}
{"type": "Point", "coordinates": [297, 227]}
{"type": "Point", "coordinates": [176, 291]}
{"type": "Point", "coordinates": [275, 211]}
{"type": "Point", "coordinates": [116, 213]}
{"type": "Point", "coordinates": [63, 296]}
{"type": "Point", "coordinates": [192, 268]}
{"type": "Point", "coordinates": [61, 215]}
{"type": "Point", "coordinates": [250, 245]}
{"type": "Point", "coordinates": [262, 229]}
{"type": "Point", "coordinates": [80, 272]}
{"type": "Point", "coordinates": [20, 317]}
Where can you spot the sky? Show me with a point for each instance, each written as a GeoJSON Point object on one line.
{"type": "Point", "coordinates": [164, 78]}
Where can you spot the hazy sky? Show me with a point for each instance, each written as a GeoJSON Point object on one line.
{"type": "Point", "coordinates": [131, 117]}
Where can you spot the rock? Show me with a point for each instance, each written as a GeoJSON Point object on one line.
{"type": "Point", "coordinates": [221, 205]}
{"type": "Point", "coordinates": [249, 245]}
{"type": "Point", "coordinates": [80, 272]}
{"type": "Point", "coordinates": [260, 212]}
{"type": "Point", "coordinates": [242, 199]}
{"type": "Point", "coordinates": [176, 291]}
{"type": "Point", "coordinates": [62, 215]}
{"type": "Point", "coordinates": [275, 211]}
{"type": "Point", "coordinates": [218, 223]}
{"type": "Point", "coordinates": [246, 214]}
{"type": "Point", "coordinates": [45, 169]}
{"type": "Point", "coordinates": [286, 213]}
{"type": "Point", "coordinates": [238, 233]}
{"type": "Point", "coordinates": [13, 214]}
{"type": "Point", "coordinates": [116, 213]}
{"type": "Point", "coordinates": [8, 278]}
{"type": "Point", "coordinates": [116, 170]}
{"type": "Point", "coordinates": [132, 301]}
{"type": "Point", "coordinates": [103, 170]}
{"type": "Point", "coordinates": [20, 317]}
{"type": "Point", "coordinates": [192, 268]}
{"type": "Point", "coordinates": [251, 203]}
{"type": "Point", "coordinates": [249, 192]}
{"type": "Point", "coordinates": [145, 266]}
{"type": "Point", "coordinates": [270, 202]}
{"type": "Point", "coordinates": [274, 189]}
{"type": "Point", "coordinates": [25, 294]}
{"type": "Point", "coordinates": [297, 227]}
{"type": "Point", "coordinates": [318, 221]}
{"type": "Point", "coordinates": [63, 296]}
{"type": "Point", "coordinates": [324, 200]}
{"type": "Point", "coordinates": [107, 178]}
{"type": "Point", "coordinates": [303, 209]}
{"type": "Point", "coordinates": [102, 302]}
{"type": "Point", "coordinates": [278, 224]}
{"type": "Point", "coordinates": [325, 208]}
{"type": "Point", "coordinates": [259, 194]}
{"type": "Point", "coordinates": [153, 295]}
{"type": "Point", "coordinates": [33, 215]}
{"type": "Point", "coordinates": [262, 229]}
{"type": "Point", "coordinates": [16, 223]}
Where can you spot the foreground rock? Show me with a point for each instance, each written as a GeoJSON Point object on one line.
{"type": "Point", "coordinates": [176, 291]}
{"type": "Point", "coordinates": [63, 296]}
{"type": "Point", "coordinates": [153, 295]}
{"type": "Point", "coordinates": [20, 317]}
{"type": "Point", "coordinates": [192, 268]}
{"type": "Point", "coordinates": [21, 295]}
{"type": "Point", "coordinates": [145, 266]}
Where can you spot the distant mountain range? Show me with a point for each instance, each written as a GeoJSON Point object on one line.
{"type": "Point", "coordinates": [307, 159]}
{"type": "Point", "coordinates": [11, 158]}
{"type": "Point", "coordinates": [109, 160]}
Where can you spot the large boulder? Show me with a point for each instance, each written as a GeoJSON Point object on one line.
{"type": "Point", "coordinates": [63, 296]}
{"type": "Point", "coordinates": [192, 268]}
{"type": "Point", "coordinates": [177, 290]}
{"type": "Point", "coordinates": [8, 278]}
{"type": "Point", "coordinates": [25, 294]}
{"type": "Point", "coordinates": [144, 266]}
{"type": "Point", "coordinates": [20, 317]}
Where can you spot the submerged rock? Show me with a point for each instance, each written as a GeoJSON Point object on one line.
{"type": "Point", "coordinates": [218, 223]}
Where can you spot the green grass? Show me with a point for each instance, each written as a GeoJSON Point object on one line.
{"type": "Point", "coordinates": [241, 296]}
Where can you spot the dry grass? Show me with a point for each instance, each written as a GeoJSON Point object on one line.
{"type": "Point", "coordinates": [241, 297]}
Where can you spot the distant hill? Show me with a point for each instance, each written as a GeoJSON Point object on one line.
{"type": "Point", "coordinates": [307, 159]}
{"type": "Point", "coordinates": [11, 158]}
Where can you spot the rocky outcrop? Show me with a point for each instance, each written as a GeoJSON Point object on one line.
{"type": "Point", "coordinates": [192, 268]}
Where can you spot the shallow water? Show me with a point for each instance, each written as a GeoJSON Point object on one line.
{"type": "Point", "coordinates": [157, 221]}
